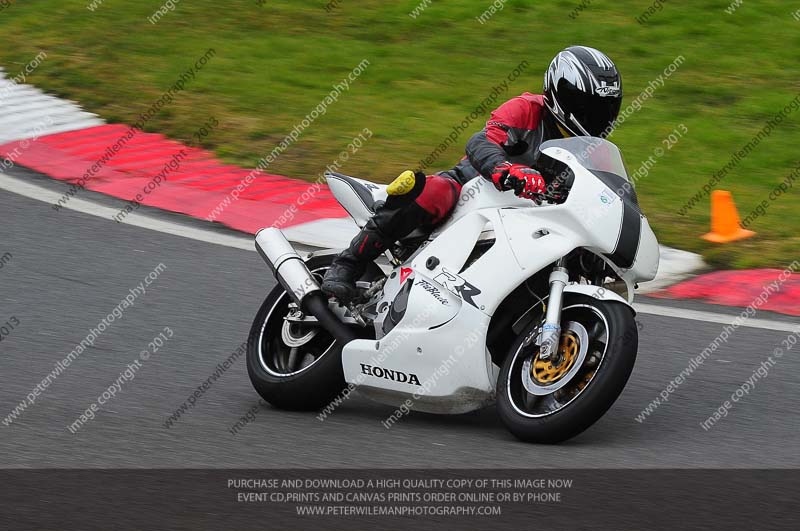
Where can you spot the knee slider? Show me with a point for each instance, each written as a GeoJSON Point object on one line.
{"type": "Point", "coordinates": [405, 188]}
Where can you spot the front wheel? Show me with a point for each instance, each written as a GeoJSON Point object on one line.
{"type": "Point", "coordinates": [550, 401]}
{"type": "Point", "coordinates": [293, 365]}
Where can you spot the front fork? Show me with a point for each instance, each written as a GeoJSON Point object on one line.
{"type": "Point", "coordinates": [551, 329]}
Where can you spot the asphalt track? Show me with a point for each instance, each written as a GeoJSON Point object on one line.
{"type": "Point", "coordinates": [70, 269]}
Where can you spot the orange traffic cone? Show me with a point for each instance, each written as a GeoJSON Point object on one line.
{"type": "Point", "coordinates": [725, 223]}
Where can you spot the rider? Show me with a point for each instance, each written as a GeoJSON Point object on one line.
{"type": "Point", "coordinates": [582, 97]}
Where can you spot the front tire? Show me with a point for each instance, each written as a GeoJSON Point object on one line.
{"type": "Point", "coordinates": [589, 386]}
{"type": "Point", "coordinates": [305, 379]}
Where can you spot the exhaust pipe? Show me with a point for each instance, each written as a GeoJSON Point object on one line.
{"type": "Point", "coordinates": [286, 264]}
{"type": "Point", "coordinates": [299, 283]}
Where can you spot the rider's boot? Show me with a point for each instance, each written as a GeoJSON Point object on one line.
{"type": "Point", "coordinates": [394, 219]}
{"type": "Point", "coordinates": [347, 268]}
{"type": "Point", "coordinates": [384, 228]}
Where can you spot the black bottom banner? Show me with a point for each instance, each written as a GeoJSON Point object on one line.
{"type": "Point", "coordinates": [399, 499]}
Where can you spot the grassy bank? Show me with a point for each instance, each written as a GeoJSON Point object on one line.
{"type": "Point", "coordinates": [274, 63]}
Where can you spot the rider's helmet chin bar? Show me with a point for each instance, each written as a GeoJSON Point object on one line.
{"type": "Point", "coordinates": [580, 126]}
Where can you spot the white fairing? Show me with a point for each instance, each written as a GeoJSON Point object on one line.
{"type": "Point", "coordinates": [350, 192]}
{"type": "Point", "coordinates": [436, 356]}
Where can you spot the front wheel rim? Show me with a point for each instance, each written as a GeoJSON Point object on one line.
{"type": "Point", "coordinates": [538, 406]}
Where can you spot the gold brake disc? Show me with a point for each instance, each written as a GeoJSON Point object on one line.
{"type": "Point", "coordinates": [544, 372]}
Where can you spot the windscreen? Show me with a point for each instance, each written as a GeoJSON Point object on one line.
{"type": "Point", "coordinates": [594, 154]}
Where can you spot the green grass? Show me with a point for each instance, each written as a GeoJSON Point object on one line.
{"type": "Point", "coordinates": [275, 63]}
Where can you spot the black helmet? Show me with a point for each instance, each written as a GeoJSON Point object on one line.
{"type": "Point", "coordinates": [583, 91]}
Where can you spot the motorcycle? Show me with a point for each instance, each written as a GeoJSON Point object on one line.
{"type": "Point", "coordinates": [520, 303]}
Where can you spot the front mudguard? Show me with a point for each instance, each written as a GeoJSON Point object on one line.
{"type": "Point", "coordinates": [599, 293]}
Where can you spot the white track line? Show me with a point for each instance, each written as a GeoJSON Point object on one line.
{"type": "Point", "coordinates": [710, 317]}
{"type": "Point", "coordinates": [39, 193]}
{"type": "Point", "coordinates": [34, 191]}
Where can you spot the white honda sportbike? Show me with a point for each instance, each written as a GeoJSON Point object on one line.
{"type": "Point", "coordinates": [508, 301]}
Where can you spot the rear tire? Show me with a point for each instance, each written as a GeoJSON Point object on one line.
{"type": "Point", "coordinates": [312, 377]}
{"type": "Point", "coordinates": [564, 414]}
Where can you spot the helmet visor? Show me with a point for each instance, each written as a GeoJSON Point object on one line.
{"type": "Point", "coordinates": [593, 113]}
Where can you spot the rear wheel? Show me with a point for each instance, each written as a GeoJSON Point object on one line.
{"type": "Point", "coordinates": [293, 365]}
{"type": "Point", "coordinates": [549, 401]}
